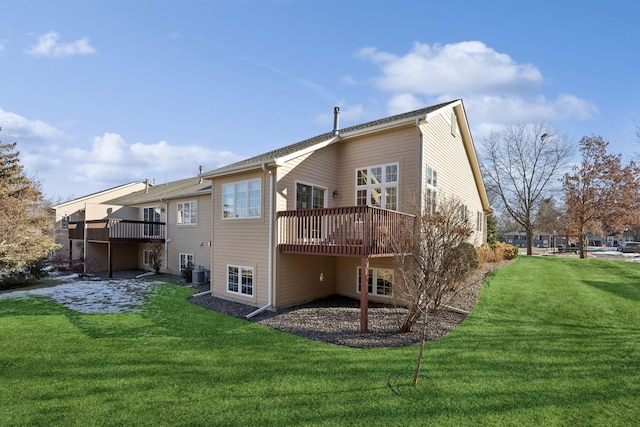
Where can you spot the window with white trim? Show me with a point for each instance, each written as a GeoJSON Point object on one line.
{"type": "Point", "coordinates": [242, 199]}
{"type": "Point", "coordinates": [146, 256]}
{"type": "Point", "coordinates": [187, 212]}
{"type": "Point", "coordinates": [186, 261]}
{"type": "Point", "coordinates": [310, 196]}
{"type": "Point", "coordinates": [383, 279]}
{"type": "Point", "coordinates": [378, 186]}
{"type": "Point", "coordinates": [432, 177]}
{"type": "Point", "coordinates": [432, 191]}
{"type": "Point", "coordinates": [479, 220]}
{"type": "Point", "coordinates": [240, 280]}
{"type": "Point", "coordinates": [464, 212]}
{"type": "Point", "coordinates": [151, 214]}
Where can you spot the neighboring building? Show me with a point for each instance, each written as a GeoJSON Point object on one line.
{"type": "Point", "coordinates": [309, 220]}
{"type": "Point", "coordinates": [73, 210]}
{"type": "Point", "coordinates": [184, 209]}
{"type": "Point", "coordinates": [540, 240]}
{"type": "Point", "coordinates": [117, 232]}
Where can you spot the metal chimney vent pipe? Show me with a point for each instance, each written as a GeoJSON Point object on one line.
{"type": "Point", "coordinates": [336, 120]}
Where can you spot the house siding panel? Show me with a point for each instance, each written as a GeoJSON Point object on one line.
{"type": "Point", "coordinates": [189, 238]}
{"type": "Point", "coordinates": [242, 242]}
{"type": "Point", "coordinates": [318, 168]}
{"type": "Point", "coordinates": [446, 154]}
{"type": "Point", "coordinates": [399, 145]}
{"type": "Point", "coordinates": [299, 279]}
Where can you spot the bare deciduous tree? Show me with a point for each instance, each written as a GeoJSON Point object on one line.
{"type": "Point", "coordinates": [431, 262]}
{"type": "Point", "coordinates": [520, 165]}
{"type": "Point", "coordinates": [551, 218]}
{"type": "Point", "coordinates": [601, 194]}
{"type": "Point", "coordinates": [155, 256]}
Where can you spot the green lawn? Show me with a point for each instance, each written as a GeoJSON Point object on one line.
{"type": "Point", "coordinates": [551, 342]}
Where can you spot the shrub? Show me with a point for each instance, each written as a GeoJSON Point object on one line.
{"type": "Point", "coordinates": [497, 252]}
{"type": "Point", "coordinates": [31, 273]}
{"type": "Point", "coordinates": [187, 273]}
{"type": "Point", "coordinates": [505, 251]}
{"type": "Point", "coordinates": [486, 253]}
{"type": "Point", "coordinates": [60, 260]}
{"type": "Point", "coordinates": [469, 256]}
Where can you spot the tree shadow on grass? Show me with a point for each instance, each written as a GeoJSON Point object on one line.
{"type": "Point", "coordinates": [629, 291]}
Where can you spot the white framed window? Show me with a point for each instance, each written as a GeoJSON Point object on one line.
{"type": "Point", "coordinates": [242, 199]}
{"type": "Point", "coordinates": [65, 222]}
{"type": "Point", "coordinates": [187, 212]}
{"type": "Point", "coordinates": [479, 220]}
{"type": "Point", "coordinates": [381, 277]}
{"type": "Point", "coordinates": [186, 261]}
{"type": "Point", "coordinates": [464, 212]}
{"type": "Point", "coordinates": [310, 196]}
{"type": "Point", "coordinates": [432, 191]}
{"type": "Point", "coordinates": [151, 214]}
{"type": "Point", "coordinates": [432, 177]}
{"type": "Point", "coordinates": [378, 186]}
{"type": "Point", "coordinates": [431, 200]}
{"type": "Point", "coordinates": [146, 256]}
{"type": "Point", "coordinates": [240, 280]}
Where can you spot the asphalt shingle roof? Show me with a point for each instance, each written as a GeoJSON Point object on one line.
{"type": "Point", "coordinates": [169, 190]}
{"type": "Point", "coordinates": [307, 143]}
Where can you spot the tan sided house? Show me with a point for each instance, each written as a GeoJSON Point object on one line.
{"type": "Point", "coordinates": [118, 233]}
{"type": "Point", "coordinates": [303, 222]}
{"type": "Point", "coordinates": [74, 210]}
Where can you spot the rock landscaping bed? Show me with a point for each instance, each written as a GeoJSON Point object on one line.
{"type": "Point", "coordinates": [336, 320]}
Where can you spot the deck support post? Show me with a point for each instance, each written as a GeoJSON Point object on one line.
{"type": "Point", "coordinates": [110, 261]}
{"type": "Point", "coordinates": [364, 294]}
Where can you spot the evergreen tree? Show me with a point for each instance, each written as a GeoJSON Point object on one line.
{"type": "Point", "coordinates": [24, 221]}
{"type": "Point", "coordinates": [492, 229]}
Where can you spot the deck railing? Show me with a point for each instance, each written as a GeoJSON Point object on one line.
{"type": "Point", "coordinates": [117, 230]}
{"type": "Point", "coordinates": [346, 231]}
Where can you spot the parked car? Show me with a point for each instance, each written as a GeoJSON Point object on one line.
{"type": "Point", "coordinates": [571, 248]}
{"type": "Point", "coordinates": [629, 247]}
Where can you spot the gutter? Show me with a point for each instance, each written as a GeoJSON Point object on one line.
{"type": "Point", "coordinates": [271, 224]}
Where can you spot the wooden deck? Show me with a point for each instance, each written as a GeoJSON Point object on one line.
{"type": "Point", "coordinates": [118, 231]}
{"type": "Point", "coordinates": [360, 231]}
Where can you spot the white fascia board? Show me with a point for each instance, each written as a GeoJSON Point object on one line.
{"type": "Point", "coordinates": [282, 160]}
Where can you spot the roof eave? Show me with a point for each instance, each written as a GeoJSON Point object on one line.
{"type": "Point", "coordinates": [473, 158]}
{"type": "Point", "coordinates": [242, 168]}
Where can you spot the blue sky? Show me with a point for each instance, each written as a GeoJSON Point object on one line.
{"type": "Point", "coordinates": [99, 94]}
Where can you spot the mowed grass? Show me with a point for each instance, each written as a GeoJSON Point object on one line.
{"type": "Point", "coordinates": [550, 342]}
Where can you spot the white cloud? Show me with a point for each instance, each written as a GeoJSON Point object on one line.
{"type": "Point", "coordinates": [461, 67]}
{"type": "Point", "coordinates": [48, 45]}
{"type": "Point", "coordinates": [493, 113]}
{"type": "Point", "coordinates": [3, 43]}
{"type": "Point", "coordinates": [19, 128]}
{"type": "Point", "coordinates": [349, 80]}
{"type": "Point", "coordinates": [496, 89]}
{"type": "Point", "coordinates": [403, 102]}
{"type": "Point", "coordinates": [112, 161]}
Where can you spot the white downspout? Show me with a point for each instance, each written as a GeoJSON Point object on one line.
{"type": "Point", "coordinates": [271, 225]}
{"type": "Point", "coordinates": [85, 243]}
{"type": "Point", "coordinates": [421, 167]}
{"type": "Point", "coordinates": [166, 233]}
